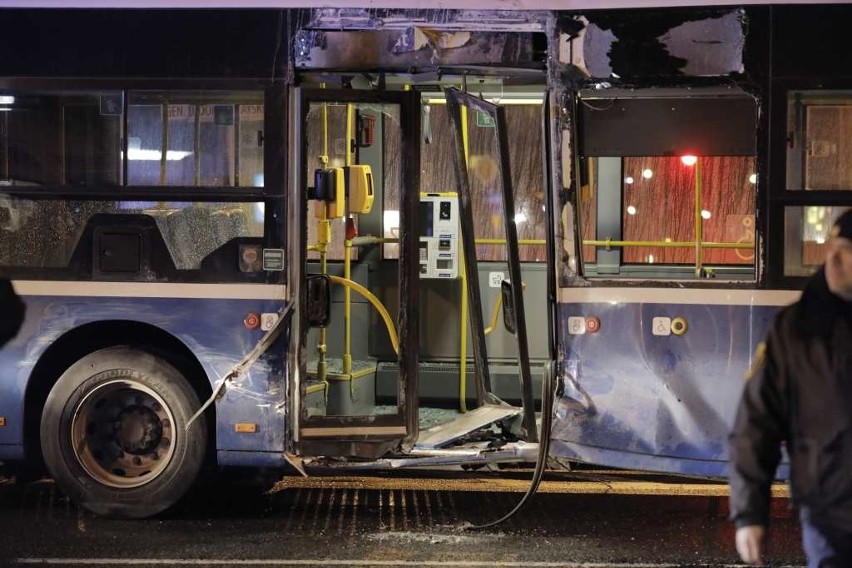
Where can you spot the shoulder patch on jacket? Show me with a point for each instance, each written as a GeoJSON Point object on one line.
{"type": "Point", "coordinates": [757, 360]}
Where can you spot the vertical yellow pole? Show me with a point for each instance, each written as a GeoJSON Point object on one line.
{"type": "Point", "coordinates": [463, 269]}
{"type": "Point", "coordinates": [347, 257]}
{"type": "Point", "coordinates": [322, 241]}
{"type": "Point", "coordinates": [699, 222]}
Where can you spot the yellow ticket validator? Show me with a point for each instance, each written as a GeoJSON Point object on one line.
{"type": "Point", "coordinates": [359, 185]}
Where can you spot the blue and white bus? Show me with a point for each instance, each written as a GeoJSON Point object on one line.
{"type": "Point", "coordinates": [366, 239]}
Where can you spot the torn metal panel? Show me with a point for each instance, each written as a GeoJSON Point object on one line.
{"type": "Point", "coordinates": [710, 47]}
{"type": "Point", "coordinates": [514, 452]}
{"type": "Point", "coordinates": [411, 47]}
{"type": "Point", "coordinates": [664, 44]}
{"type": "Point", "coordinates": [593, 57]}
{"type": "Point", "coordinates": [563, 77]}
{"type": "Point", "coordinates": [442, 20]}
{"type": "Point", "coordinates": [446, 434]}
{"type": "Point", "coordinates": [641, 400]}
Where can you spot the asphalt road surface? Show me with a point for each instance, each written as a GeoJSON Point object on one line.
{"type": "Point", "coordinates": [580, 519]}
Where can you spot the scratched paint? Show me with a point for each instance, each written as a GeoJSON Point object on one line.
{"type": "Point", "coordinates": [630, 398]}
{"type": "Point", "coordinates": [212, 330]}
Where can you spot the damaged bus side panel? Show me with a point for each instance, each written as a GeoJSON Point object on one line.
{"type": "Point", "coordinates": [369, 238]}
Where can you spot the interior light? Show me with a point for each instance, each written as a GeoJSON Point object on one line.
{"type": "Point", "coordinates": [5, 109]}
{"type": "Point", "coordinates": [705, 214]}
{"type": "Point", "coordinates": [520, 218]}
{"type": "Point", "coordinates": [631, 210]}
{"type": "Point", "coordinates": [628, 180]}
{"type": "Point", "coordinates": [155, 155]}
{"type": "Point", "coordinates": [689, 160]}
{"type": "Point", "coordinates": [650, 259]}
{"type": "Point", "coordinates": [647, 173]}
{"type": "Point", "coordinates": [820, 240]}
{"type": "Point", "coordinates": [7, 100]}
{"type": "Point", "coordinates": [752, 178]}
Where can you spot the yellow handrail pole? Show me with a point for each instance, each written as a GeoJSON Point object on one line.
{"type": "Point", "coordinates": [322, 240]}
{"type": "Point", "coordinates": [699, 221]}
{"type": "Point", "coordinates": [674, 244]}
{"type": "Point", "coordinates": [347, 256]}
{"type": "Point", "coordinates": [463, 269]}
{"type": "Point", "coordinates": [376, 304]}
{"type": "Point", "coordinates": [322, 230]}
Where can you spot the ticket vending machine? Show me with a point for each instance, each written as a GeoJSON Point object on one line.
{"type": "Point", "coordinates": [439, 235]}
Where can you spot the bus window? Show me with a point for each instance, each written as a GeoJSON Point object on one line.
{"type": "Point", "coordinates": [819, 158]}
{"type": "Point", "coordinates": [211, 139]}
{"type": "Point", "coordinates": [658, 208]}
{"type": "Point", "coordinates": [50, 138]}
{"type": "Point", "coordinates": [49, 234]}
{"type": "Point", "coordinates": [678, 205]}
{"type": "Point", "coordinates": [525, 149]}
{"type": "Point", "coordinates": [820, 154]}
{"type": "Point", "coordinates": [806, 230]}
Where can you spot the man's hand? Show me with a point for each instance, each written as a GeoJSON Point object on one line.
{"type": "Point", "coordinates": [751, 543]}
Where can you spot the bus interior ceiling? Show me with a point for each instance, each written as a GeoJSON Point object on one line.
{"type": "Point", "coordinates": [361, 373]}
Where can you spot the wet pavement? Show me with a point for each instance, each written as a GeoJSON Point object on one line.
{"type": "Point", "coordinates": [400, 521]}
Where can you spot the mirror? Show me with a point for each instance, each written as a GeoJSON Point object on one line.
{"type": "Point", "coordinates": [318, 311]}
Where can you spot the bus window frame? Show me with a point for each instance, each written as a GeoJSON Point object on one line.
{"type": "Point", "coordinates": [779, 197]}
{"type": "Point", "coordinates": [272, 194]}
{"type": "Point", "coordinates": [679, 92]}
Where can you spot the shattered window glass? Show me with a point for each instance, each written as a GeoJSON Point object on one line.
{"type": "Point", "coordinates": [48, 233]}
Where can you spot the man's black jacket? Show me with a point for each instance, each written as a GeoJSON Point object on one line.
{"type": "Point", "coordinates": [800, 393]}
{"type": "Point", "coordinates": [11, 312]}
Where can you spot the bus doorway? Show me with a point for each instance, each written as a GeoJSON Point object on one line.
{"type": "Point", "coordinates": [404, 367]}
{"type": "Point", "coordinates": [336, 412]}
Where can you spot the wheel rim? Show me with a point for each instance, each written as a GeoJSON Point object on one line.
{"type": "Point", "coordinates": [122, 434]}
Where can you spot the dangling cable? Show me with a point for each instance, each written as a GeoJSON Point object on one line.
{"type": "Point", "coordinates": [543, 447]}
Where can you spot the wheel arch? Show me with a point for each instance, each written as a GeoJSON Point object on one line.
{"type": "Point", "coordinates": [79, 342]}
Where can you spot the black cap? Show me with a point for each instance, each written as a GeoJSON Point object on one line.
{"type": "Point", "coordinates": [843, 226]}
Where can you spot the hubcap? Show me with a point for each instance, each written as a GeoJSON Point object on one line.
{"type": "Point", "coordinates": [123, 434]}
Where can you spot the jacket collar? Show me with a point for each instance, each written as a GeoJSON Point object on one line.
{"type": "Point", "coordinates": [818, 309]}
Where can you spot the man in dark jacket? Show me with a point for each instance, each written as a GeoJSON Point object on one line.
{"type": "Point", "coordinates": [11, 312]}
{"type": "Point", "coordinates": [800, 393]}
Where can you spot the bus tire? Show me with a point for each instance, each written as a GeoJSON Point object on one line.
{"type": "Point", "coordinates": [113, 433]}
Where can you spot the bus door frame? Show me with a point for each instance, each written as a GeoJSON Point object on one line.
{"type": "Point", "coordinates": [358, 436]}
{"type": "Point", "coordinates": [514, 292]}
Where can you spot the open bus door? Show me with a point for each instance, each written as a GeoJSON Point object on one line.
{"type": "Point", "coordinates": [327, 417]}
{"type": "Point", "coordinates": [484, 159]}
{"type": "Point", "coordinates": [331, 155]}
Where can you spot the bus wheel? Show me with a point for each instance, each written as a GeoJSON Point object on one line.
{"type": "Point", "coordinates": [113, 433]}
